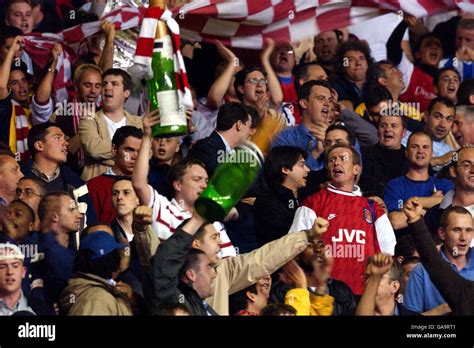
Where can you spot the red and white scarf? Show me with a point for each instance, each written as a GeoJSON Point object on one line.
{"type": "Point", "coordinates": [21, 131]}
{"type": "Point", "coordinates": [144, 52]}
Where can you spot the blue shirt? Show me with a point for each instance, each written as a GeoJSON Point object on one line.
{"type": "Point", "coordinates": [421, 295]}
{"type": "Point", "coordinates": [465, 68]}
{"type": "Point", "coordinates": [301, 137]}
{"type": "Point", "coordinates": [398, 190]}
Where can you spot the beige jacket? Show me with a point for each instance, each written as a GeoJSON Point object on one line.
{"type": "Point", "coordinates": [88, 294]}
{"type": "Point", "coordinates": [237, 273]}
{"type": "Point", "coordinates": [97, 143]}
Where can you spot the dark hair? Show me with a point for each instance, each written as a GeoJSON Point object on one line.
{"type": "Point", "coordinates": [38, 133]}
{"type": "Point", "coordinates": [22, 67]}
{"type": "Point", "coordinates": [442, 100]}
{"type": "Point", "coordinates": [410, 260]}
{"type": "Point", "coordinates": [230, 113]}
{"type": "Point", "coordinates": [41, 184]}
{"type": "Point", "coordinates": [199, 235]}
{"type": "Point", "coordinates": [374, 72]}
{"type": "Point", "coordinates": [281, 157]}
{"type": "Point", "coordinates": [301, 72]}
{"type": "Point", "coordinates": [375, 94]}
{"type": "Point", "coordinates": [305, 90]}
{"type": "Point", "coordinates": [351, 45]}
{"type": "Point", "coordinates": [242, 75]}
{"type": "Point", "coordinates": [437, 77]}
{"type": "Point", "coordinates": [350, 135]}
{"type": "Point", "coordinates": [30, 211]}
{"type": "Point", "coordinates": [405, 246]}
{"type": "Point", "coordinates": [443, 223]}
{"type": "Point", "coordinates": [168, 309]}
{"type": "Point", "coordinates": [178, 170]}
{"type": "Point", "coordinates": [465, 90]}
{"type": "Point", "coordinates": [239, 300]}
{"type": "Point", "coordinates": [422, 38]}
{"type": "Point", "coordinates": [355, 154]}
{"type": "Point", "coordinates": [127, 80]}
{"type": "Point", "coordinates": [123, 133]}
{"type": "Point", "coordinates": [49, 203]}
{"type": "Point", "coordinates": [102, 266]}
{"type": "Point", "coordinates": [8, 32]}
{"type": "Point", "coordinates": [191, 262]}
{"type": "Point", "coordinates": [276, 309]}
{"type": "Point", "coordinates": [420, 132]}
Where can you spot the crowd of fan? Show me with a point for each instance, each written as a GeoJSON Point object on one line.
{"type": "Point", "coordinates": [363, 206]}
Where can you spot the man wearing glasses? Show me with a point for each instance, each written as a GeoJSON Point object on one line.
{"type": "Point", "coordinates": [462, 169]}
{"type": "Point", "coordinates": [30, 191]}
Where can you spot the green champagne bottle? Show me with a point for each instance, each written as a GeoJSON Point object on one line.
{"type": "Point", "coordinates": [232, 178]}
{"type": "Point", "coordinates": [162, 92]}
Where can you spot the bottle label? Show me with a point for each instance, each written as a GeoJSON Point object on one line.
{"type": "Point", "coordinates": [169, 112]}
{"type": "Point", "coordinates": [164, 46]}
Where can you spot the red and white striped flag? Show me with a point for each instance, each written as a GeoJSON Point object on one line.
{"type": "Point", "coordinates": [237, 23]}
{"type": "Point", "coordinates": [246, 23]}
{"type": "Point", "coordinates": [39, 45]}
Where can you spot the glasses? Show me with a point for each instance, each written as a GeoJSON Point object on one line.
{"type": "Point", "coordinates": [465, 166]}
{"type": "Point", "coordinates": [28, 193]}
{"type": "Point", "coordinates": [255, 81]}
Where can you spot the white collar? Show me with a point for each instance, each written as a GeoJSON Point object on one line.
{"type": "Point", "coordinates": [356, 192]}
{"type": "Point", "coordinates": [447, 200]}
{"type": "Point", "coordinates": [177, 205]}
{"type": "Point", "coordinates": [227, 146]}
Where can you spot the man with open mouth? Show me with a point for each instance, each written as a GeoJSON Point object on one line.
{"type": "Point", "coordinates": [354, 221]}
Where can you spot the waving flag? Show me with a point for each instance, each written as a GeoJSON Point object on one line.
{"type": "Point", "coordinates": [237, 23]}
{"type": "Point", "coordinates": [246, 23]}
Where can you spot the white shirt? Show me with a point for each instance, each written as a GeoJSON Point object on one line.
{"type": "Point", "coordinates": [168, 215]}
{"type": "Point", "coordinates": [113, 126]}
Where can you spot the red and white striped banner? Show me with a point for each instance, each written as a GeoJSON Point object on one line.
{"type": "Point", "coordinates": [246, 23]}
{"type": "Point", "coordinates": [39, 45]}
{"type": "Point", "coordinates": [237, 23]}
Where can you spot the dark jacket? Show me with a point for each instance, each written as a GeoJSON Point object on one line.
{"type": "Point", "coordinates": [274, 211]}
{"type": "Point", "coordinates": [71, 181]}
{"type": "Point", "coordinates": [208, 150]}
{"type": "Point", "coordinates": [133, 275]}
{"type": "Point", "coordinates": [346, 89]}
{"type": "Point", "coordinates": [163, 284]}
{"type": "Point", "coordinates": [158, 178]}
{"type": "Point", "coordinates": [379, 166]}
{"type": "Point", "coordinates": [55, 269]}
{"type": "Point", "coordinates": [456, 290]}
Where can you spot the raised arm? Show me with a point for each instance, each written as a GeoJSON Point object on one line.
{"type": "Point", "coordinates": [5, 68]}
{"type": "Point", "coordinates": [456, 290]}
{"type": "Point", "coordinates": [276, 94]}
{"type": "Point", "coordinates": [378, 265]}
{"type": "Point", "coordinates": [140, 173]}
{"type": "Point", "coordinates": [43, 93]}
{"type": "Point", "coordinates": [107, 57]}
{"type": "Point", "coordinates": [222, 83]}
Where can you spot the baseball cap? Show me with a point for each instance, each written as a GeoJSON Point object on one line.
{"type": "Point", "coordinates": [10, 252]}
{"type": "Point", "coordinates": [100, 243]}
